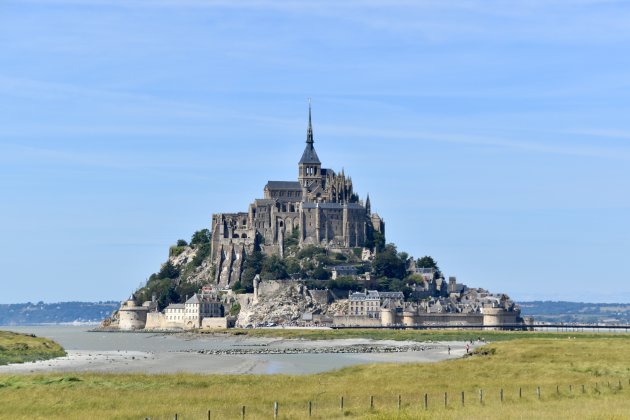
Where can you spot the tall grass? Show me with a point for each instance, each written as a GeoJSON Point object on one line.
{"type": "Point", "coordinates": [19, 348]}
{"type": "Point", "coordinates": [553, 364]}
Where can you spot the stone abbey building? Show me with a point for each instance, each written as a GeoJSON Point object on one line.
{"type": "Point", "coordinates": [321, 206]}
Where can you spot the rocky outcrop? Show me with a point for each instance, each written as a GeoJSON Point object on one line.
{"type": "Point", "coordinates": [281, 302]}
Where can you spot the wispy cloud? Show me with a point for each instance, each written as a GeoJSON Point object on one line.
{"type": "Point", "coordinates": [381, 134]}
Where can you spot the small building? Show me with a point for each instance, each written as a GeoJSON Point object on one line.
{"type": "Point", "coordinates": [344, 271]}
{"type": "Point", "coordinates": [199, 307]}
{"type": "Point", "coordinates": [174, 313]}
{"type": "Point", "coordinates": [365, 303]}
{"type": "Point", "coordinates": [427, 273]}
{"type": "Point", "coordinates": [368, 303]}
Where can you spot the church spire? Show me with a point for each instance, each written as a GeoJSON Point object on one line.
{"type": "Point", "coordinates": [309, 156]}
{"type": "Point", "coordinates": [309, 132]}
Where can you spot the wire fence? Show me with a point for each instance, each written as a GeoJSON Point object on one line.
{"type": "Point", "coordinates": [327, 406]}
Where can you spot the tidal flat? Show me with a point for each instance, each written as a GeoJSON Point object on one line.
{"type": "Point", "coordinates": [224, 353]}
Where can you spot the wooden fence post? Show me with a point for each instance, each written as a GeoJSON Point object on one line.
{"type": "Point", "coordinates": [558, 389]}
{"type": "Point", "coordinates": [426, 401]}
{"type": "Point", "coordinates": [501, 394]}
{"type": "Point", "coordinates": [371, 401]}
{"type": "Point", "coordinates": [310, 408]}
{"type": "Point", "coordinates": [242, 412]}
{"type": "Point", "coordinates": [209, 415]}
{"type": "Point", "coordinates": [583, 390]}
{"type": "Point", "coordinates": [445, 399]}
{"type": "Point", "coordinates": [538, 391]}
{"type": "Point", "coordinates": [275, 409]}
{"type": "Point", "coordinates": [341, 402]}
{"type": "Point", "coordinates": [481, 396]}
{"type": "Point", "coordinates": [520, 392]}
{"type": "Point", "coordinates": [462, 398]}
{"type": "Point", "coordinates": [399, 401]}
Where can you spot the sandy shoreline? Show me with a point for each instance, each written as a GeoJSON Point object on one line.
{"type": "Point", "coordinates": [252, 355]}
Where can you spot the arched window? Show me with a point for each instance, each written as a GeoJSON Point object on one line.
{"type": "Point", "coordinates": [244, 236]}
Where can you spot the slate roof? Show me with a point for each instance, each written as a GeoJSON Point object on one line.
{"type": "Point", "coordinates": [283, 185]}
{"type": "Point", "coordinates": [193, 299]}
{"type": "Point", "coordinates": [309, 156]}
{"type": "Point", "coordinates": [350, 206]}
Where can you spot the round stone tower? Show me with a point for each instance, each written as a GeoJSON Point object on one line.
{"type": "Point", "coordinates": [387, 317]}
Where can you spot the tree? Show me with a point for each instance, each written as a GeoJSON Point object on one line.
{"type": "Point", "coordinates": [168, 297]}
{"type": "Point", "coordinates": [274, 268]}
{"type": "Point", "coordinates": [255, 261]}
{"type": "Point", "coordinates": [388, 263]}
{"type": "Point", "coordinates": [344, 283]}
{"type": "Point", "coordinates": [415, 279]}
{"type": "Point", "coordinates": [168, 271]}
{"type": "Point", "coordinates": [427, 262]}
{"type": "Point", "coordinates": [181, 242]}
{"type": "Point", "coordinates": [320, 273]}
{"type": "Point", "coordinates": [186, 289]}
{"type": "Point", "coordinates": [202, 236]}
{"type": "Point", "coordinates": [292, 265]}
{"type": "Point", "coordinates": [375, 240]}
{"type": "Point", "coordinates": [203, 252]}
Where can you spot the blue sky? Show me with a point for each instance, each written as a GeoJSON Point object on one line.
{"type": "Point", "coordinates": [492, 135]}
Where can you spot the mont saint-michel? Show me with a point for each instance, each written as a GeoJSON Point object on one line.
{"type": "Point", "coordinates": [310, 252]}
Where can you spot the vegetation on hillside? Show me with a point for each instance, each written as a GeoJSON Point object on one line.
{"type": "Point", "coordinates": [173, 283]}
{"type": "Point", "coordinates": [313, 264]}
{"type": "Point", "coordinates": [20, 348]}
{"type": "Point", "coordinates": [556, 365]}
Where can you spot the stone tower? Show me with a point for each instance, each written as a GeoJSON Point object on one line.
{"type": "Point", "coordinates": [309, 167]}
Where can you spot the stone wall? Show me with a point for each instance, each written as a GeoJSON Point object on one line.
{"type": "Point", "coordinates": [217, 323]}
{"type": "Point", "coordinates": [321, 297]}
{"type": "Point", "coordinates": [155, 321]}
{"type": "Point", "coordinates": [359, 321]}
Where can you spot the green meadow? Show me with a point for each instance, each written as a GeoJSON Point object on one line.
{"type": "Point", "coordinates": [20, 348]}
{"type": "Point", "coordinates": [578, 375]}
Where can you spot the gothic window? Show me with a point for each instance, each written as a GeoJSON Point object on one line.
{"type": "Point", "coordinates": [244, 236]}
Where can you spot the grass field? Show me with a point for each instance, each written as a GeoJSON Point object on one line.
{"type": "Point", "coordinates": [559, 365]}
{"type": "Point", "coordinates": [400, 335]}
{"type": "Point", "coordinates": [19, 348]}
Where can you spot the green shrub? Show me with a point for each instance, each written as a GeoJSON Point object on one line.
{"type": "Point", "coordinates": [176, 250]}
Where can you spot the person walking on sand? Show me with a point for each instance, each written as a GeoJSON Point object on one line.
{"type": "Point", "coordinates": [449, 350]}
{"type": "Point", "coordinates": [467, 347]}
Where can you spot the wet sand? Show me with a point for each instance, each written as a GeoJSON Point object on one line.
{"type": "Point", "coordinates": [194, 362]}
{"type": "Point", "coordinates": [172, 353]}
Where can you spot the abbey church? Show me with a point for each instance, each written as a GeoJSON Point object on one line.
{"type": "Point", "coordinates": [321, 206]}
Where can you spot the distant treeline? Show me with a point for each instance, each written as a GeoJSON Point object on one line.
{"type": "Point", "coordinates": [55, 313]}
{"type": "Point", "coordinates": [561, 311]}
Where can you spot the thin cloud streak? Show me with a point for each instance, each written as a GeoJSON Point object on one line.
{"type": "Point", "coordinates": [476, 140]}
